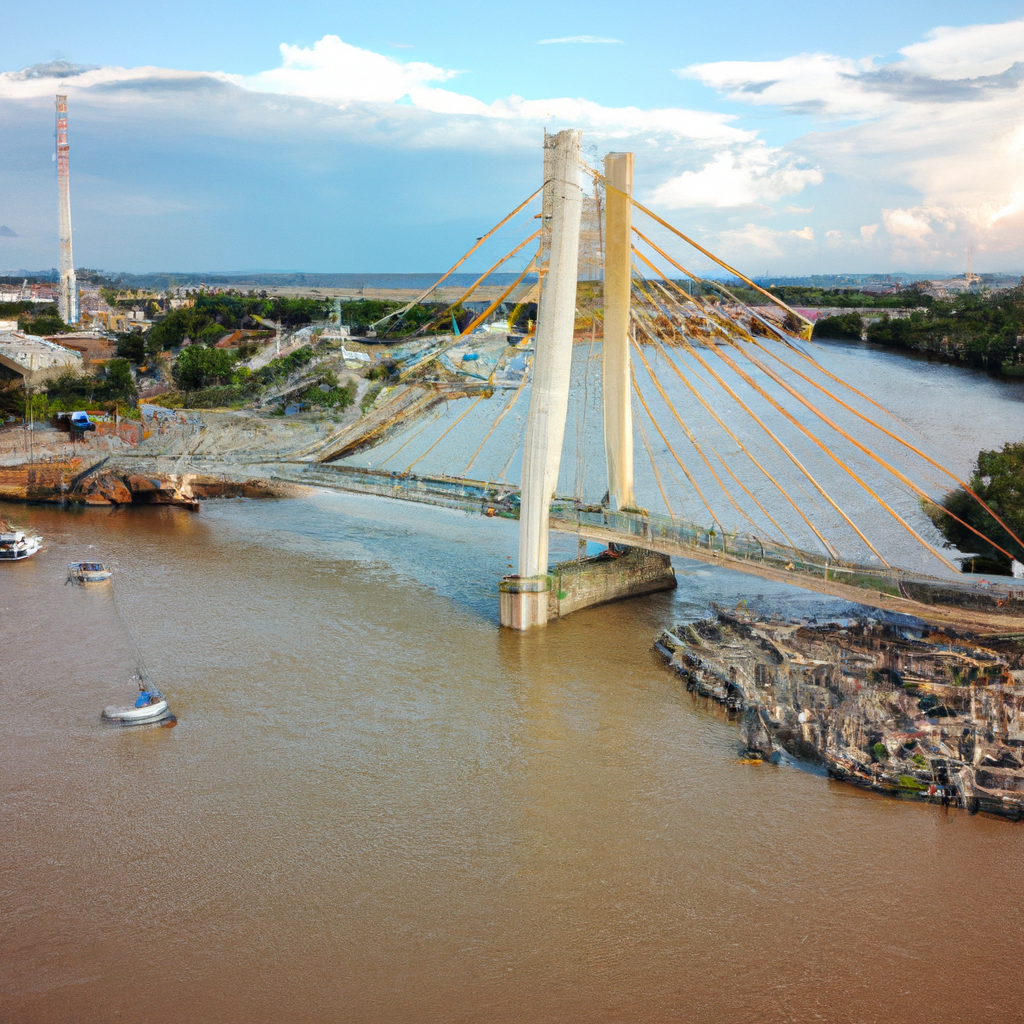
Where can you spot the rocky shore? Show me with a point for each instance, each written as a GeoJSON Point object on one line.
{"type": "Point", "coordinates": [916, 712]}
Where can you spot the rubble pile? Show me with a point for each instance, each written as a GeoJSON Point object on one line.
{"type": "Point", "coordinates": [920, 713]}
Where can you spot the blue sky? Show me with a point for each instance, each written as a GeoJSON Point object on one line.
{"type": "Point", "coordinates": [344, 137]}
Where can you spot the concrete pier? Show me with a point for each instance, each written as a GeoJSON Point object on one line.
{"type": "Point", "coordinates": [577, 584]}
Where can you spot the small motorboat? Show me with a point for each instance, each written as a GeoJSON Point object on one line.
{"type": "Point", "coordinates": [88, 572]}
{"type": "Point", "coordinates": [149, 707]}
{"type": "Point", "coordinates": [16, 545]}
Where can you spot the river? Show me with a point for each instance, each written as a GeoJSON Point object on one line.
{"type": "Point", "coordinates": [378, 806]}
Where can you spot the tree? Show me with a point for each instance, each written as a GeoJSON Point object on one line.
{"type": "Point", "coordinates": [200, 367]}
{"type": "Point", "coordinates": [998, 480]}
{"type": "Point", "coordinates": [132, 347]}
{"type": "Point", "coordinates": [120, 383]}
{"type": "Point", "coordinates": [842, 327]}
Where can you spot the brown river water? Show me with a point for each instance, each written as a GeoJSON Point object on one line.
{"type": "Point", "coordinates": [378, 806]}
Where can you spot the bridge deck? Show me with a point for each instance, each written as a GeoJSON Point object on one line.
{"type": "Point", "coordinates": [994, 608]}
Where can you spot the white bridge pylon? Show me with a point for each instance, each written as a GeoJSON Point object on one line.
{"type": "Point", "coordinates": [526, 603]}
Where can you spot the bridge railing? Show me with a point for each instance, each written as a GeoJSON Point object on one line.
{"type": "Point", "coordinates": [680, 533]}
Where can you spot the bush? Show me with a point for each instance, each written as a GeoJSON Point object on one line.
{"type": "Point", "coordinates": [46, 321]}
{"type": "Point", "coordinates": [212, 334]}
{"type": "Point", "coordinates": [845, 326]}
{"type": "Point", "coordinates": [200, 367]}
{"type": "Point", "coordinates": [369, 398]}
{"type": "Point", "coordinates": [881, 754]}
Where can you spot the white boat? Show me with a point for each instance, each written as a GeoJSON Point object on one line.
{"type": "Point", "coordinates": [16, 546]}
{"type": "Point", "coordinates": [151, 706]}
{"type": "Point", "coordinates": [89, 572]}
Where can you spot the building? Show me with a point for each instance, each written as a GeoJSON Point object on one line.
{"type": "Point", "coordinates": [34, 360]}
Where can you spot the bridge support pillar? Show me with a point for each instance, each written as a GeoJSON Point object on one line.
{"type": "Point", "coordinates": [617, 378]}
{"type": "Point", "coordinates": [527, 606]}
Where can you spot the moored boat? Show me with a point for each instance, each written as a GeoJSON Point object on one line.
{"type": "Point", "coordinates": [16, 545]}
{"type": "Point", "coordinates": [89, 572]}
{"type": "Point", "coordinates": [151, 706]}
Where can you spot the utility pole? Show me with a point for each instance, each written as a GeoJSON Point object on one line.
{"type": "Point", "coordinates": [67, 297]}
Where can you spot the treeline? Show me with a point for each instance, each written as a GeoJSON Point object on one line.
{"type": "Point", "coordinates": [210, 376]}
{"type": "Point", "coordinates": [34, 317]}
{"type": "Point", "coordinates": [839, 298]}
{"type": "Point", "coordinates": [976, 330]}
{"type": "Point", "coordinates": [359, 315]}
{"type": "Point", "coordinates": [984, 331]}
{"type": "Point", "coordinates": [213, 316]}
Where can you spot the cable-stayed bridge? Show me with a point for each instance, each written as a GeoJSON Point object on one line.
{"type": "Point", "coordinates": [752, 453]}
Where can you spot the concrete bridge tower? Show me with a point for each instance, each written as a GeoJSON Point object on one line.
{"type": "Point", "coordinates": [535, 595]}
{"type": "Point", "coordinates": [617, 377]}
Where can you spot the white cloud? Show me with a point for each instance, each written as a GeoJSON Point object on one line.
{"type": "Point", "coordinates": [335, 70]}
{"type": "Point", "coordinates": [938, 141]}
{"type": "Point", "coordinates": [954, 53]}
{"type": "Point", "coordinates": [754, 240]}
{"type": "Point", "coordinates": [807, 83]}
{"type": "Point", "coordinates": [338, 72]}
{"type": "Point", "coordinates": [755, 174]}
{"type": "Point", "coordinates": [577, 39]}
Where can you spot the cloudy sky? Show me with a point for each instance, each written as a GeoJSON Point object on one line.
{"type": "Point", "coordinates": [850, 137]}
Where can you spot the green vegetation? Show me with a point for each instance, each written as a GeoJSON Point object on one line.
{"type": "Point", "coordinates": [200, 367]}
{"type": "Point", "coordinates": [977, 330]}
{"type": "Point", "coordinates": [360, 314]}
{"type": "Point", "coordinates": [793, 295]}
{"type": "Point", "coordinates": [369, 398]}
{"type": "Point", "coordinates": [14, 310]}
{"type": "Point", "coordinates": [44, 320]}
{"type": "Point", "coordinates": [213, 316]}
{"type": "Point", "coordinates": [881, 754]}
{"type": "Point", "coordinates": [998, 479]}
{"type": "Point", "coordinates": [845, 326]}
{"type": "Point", "coordinates": [909, 782]}
{"type": "Point", "coordinates": [115, 389]}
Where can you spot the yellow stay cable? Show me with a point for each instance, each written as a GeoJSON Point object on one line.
{"type": "Point", "coordinates": [480, 241]}
{"type": "Point", "coordinates": [747, 336]}
{"type": "Point", "coordinates": [689, 434]}
{"type": "Point", "coordinates": [730, 362]}
{"type": "Point", "coordinates": [411, 438]}
{"type": "Point", "coordinates": [472, 288]}
{"type": "Point", "coordinates": [682, 466]}
{"type": "Point", "coordinates": [700, 398]}
{"type": "Point", "coordinates": [872, 455]}
{"type": "Point", "coordinates": [744, 449]}
{"type": "Point", "coordinates": [908, 445]}
{"type": "Point", "coordinates": [501, 415]}
{"type": "Point", "coordinates": [650, 455]}
{"type": "Point", "coordinates": [821, 490]}
{"type": "Point", "coordinates": [710, 255]}
{"type": "Point", "coordinates": [789, 454]}
{"type": "Point", "coordinates": [472, 406]}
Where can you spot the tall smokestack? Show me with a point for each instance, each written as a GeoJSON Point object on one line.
{"type": "Point", "coordinates": [67, 297]}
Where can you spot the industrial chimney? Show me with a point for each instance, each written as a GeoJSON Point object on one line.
{"type": "Point", "coordinates": [67, 297]}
